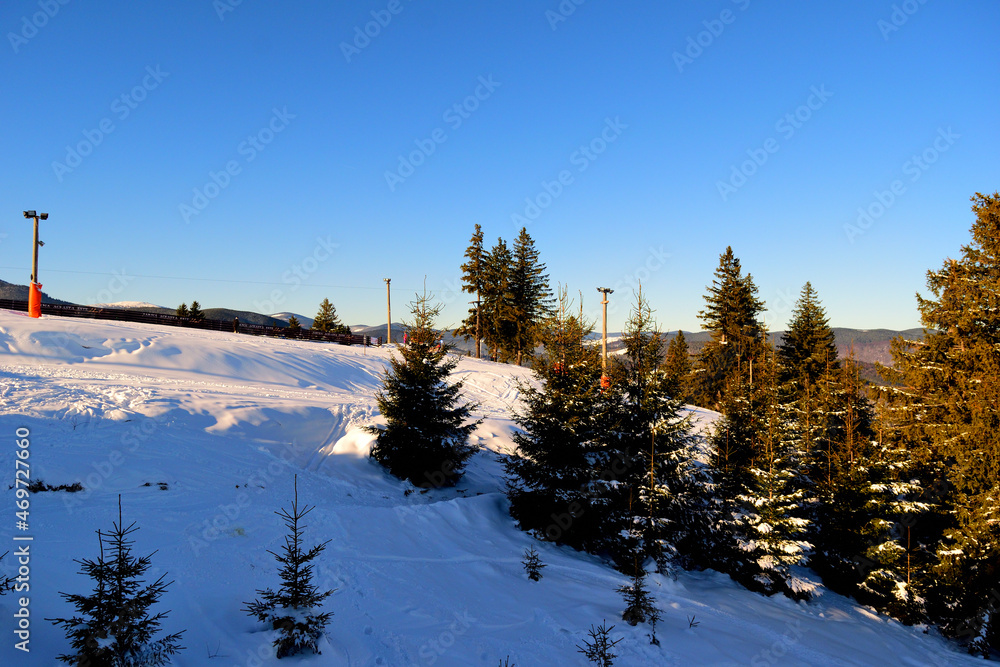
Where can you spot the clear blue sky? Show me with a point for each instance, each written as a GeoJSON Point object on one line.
{"type": "Point", "coordinates": [309, 117]}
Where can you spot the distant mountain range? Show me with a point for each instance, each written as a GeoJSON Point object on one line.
{"type": "Point", "coordinates": [20, 293]}
{"type": "Point", "coordinates": [870, 346]}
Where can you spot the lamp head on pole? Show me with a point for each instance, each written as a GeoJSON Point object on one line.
{"type": "Point", "coordinates": [29, 214]}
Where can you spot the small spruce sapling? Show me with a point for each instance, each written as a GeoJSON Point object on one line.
{"type": "Point", "coordinates": [114, 626]}
{"type": "Point", "coordinates": [532, 564]}
{"type": "Point", "coordinates": [639, 604]}
{"type": "Point", "coordinates": [292, 609]}
{"type": "Point", "coordinates": [598, 648]}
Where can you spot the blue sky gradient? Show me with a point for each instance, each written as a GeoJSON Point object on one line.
{"type": "Point", "coordinates": [266, 155]}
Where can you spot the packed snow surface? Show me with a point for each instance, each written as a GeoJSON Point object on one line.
{"type": "Point", "coordinates": [202, 432]}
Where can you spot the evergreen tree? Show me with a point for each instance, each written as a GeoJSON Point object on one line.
{"type": "Point", "coordinates": [732, 316]}
{"type": "Point", "coordinates": [473, 278]}
{"type": "Point", "coordinates": [654, 502]}
{"type": "Point", "coordinates": [530, 293]}
{"type": "Point", "coordinates": [292, 610]}
{"type": "Point", "coordinates": [497, 312]}
{"type": "Point", "coordinates": [758, 508]}
{"type": "Point", "coordinates": [195, 311]}
{"type": "Point", "coordinates": [639, 604]}
{"type": "Point", "coordinates": [532, 564]}
{"type": "Point", "coordinates": [949, 421]}
{"type": "Point", "coordinates": [558, 462]}
{"type": "Point", "coordinates": [808, 349]}
{"type": "Point", "coordinates": [113, 625]}
{"type": "Point", "coordinates": [599, 648]}
{"type": "Point", "coordinates": [425, 439]}
{"type": "Point", "coordinates": [326, 318]}
{"type": "Point", "coordinates": [182, 311]}
{"type": "Point", "coordinates": [294, 326]}
{"type": "Point", "coordinates": [677, 368]}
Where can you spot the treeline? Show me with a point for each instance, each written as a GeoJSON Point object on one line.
{"type": "Point", "coordinates": [512, 293]}
{"type": "Point", "coordinates": [890, 494]}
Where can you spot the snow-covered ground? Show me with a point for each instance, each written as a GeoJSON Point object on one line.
{"type": "Point", "coordinates": [201, 433]}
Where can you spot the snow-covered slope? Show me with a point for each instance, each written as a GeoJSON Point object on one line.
{"type": "Point", "coordinates": [202, 432]}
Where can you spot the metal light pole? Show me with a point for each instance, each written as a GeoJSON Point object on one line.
{"type": "Point", "coordinates": [35, 290]}
{"type": "Point", "coordinates": [604, 333]}
{"type": "Point", "coordinates": [388, 308]}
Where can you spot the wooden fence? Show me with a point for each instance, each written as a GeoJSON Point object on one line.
{"type": "Point", "coordinates": [128, 315]}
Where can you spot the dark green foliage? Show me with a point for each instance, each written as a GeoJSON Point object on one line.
{"type": "Point", "coordinates": [653, 500]}
{"type": "Point", "coordinates": [182, 311]}
{"type": "Point", "coordinates": [639, 604]}
{"type": "Point", "coordinates": [947, 416]}
{"type": "Point", "coordinates": [292, 610]}
{"type": "Point", "coordinates": [326, 319]}
{"type": "Point", "coordinates": [532, 296]}
{"type": "Point", "coordinates": [532, 564]}
{"type": "Point", "coordinates": [294, 326]}
{"type": "Point", "coordinates": [473, 280]}
{"type": "Point", "coordinates": [808, 349]}
{"type": "Point", "coordinates": [731, 314]}
{"type": "Point", "coordinates": [677, 368]}
{"type": "Point", "coordinates": [759, 507]}
{"type": "Point", "coordinates": [558, 460]}
{"type": "Point", "coordinates": [113, 625]}
{"type": "Point", "coordinates": [598, 648]}
{"type": "Point", "coordinates": [195, 312]}
{"type": "Point", "coordinates": [426, 437]}
{"type": "Point", "coordinates": [497, 313]}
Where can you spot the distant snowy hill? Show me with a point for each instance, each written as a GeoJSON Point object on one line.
{"type": "Point", "coordinates": [129, 304]}
{"type": "Point", "coordinates": [201, 434]}
{"type": "Point", "coordinates": [305, 322]}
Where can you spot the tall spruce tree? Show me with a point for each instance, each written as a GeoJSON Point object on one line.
{"type": "Point", "coordinates": [677, 368]}
{"type": "Point", "coordinates": [732, 315]}
{"type": "Point", "coordinates": [554, 473]}
{"type": "Point", "coordinates": [473, 277]}
{"type": "Point", "coordinates": [195, 312]}
{"type": "Point", "coordinates": [950, 422]}
{"type": "Point", "coordinates": [497, 312]}
{"type": "Point", "coordinates": [326, 318]}
{"type": "Point", "coordinates": [114, 625]}
{"type": "Point", "coordinates": [182, 311]}
{"type": "Point", "coordinates": [758, 507]}
{"type": "Point", "coordinates": [426, 436]}
{"type": "Point", "coordinates": [530, 293]}
{"type": "Point", "coordinates": [654, 503]}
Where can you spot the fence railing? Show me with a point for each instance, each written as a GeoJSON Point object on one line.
{"type": "Point", "coordinates": [128, 315]}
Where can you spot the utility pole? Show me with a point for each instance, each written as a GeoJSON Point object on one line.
{"type": "Point", "coordinates": [604, 334]}
{"type": "Point", "coordinates": [388, 308]}
{"type": "Point", "coordinates": [35, 290]}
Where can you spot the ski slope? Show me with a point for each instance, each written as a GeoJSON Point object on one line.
{"type": "Point", "coordinates": [202, 432]}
